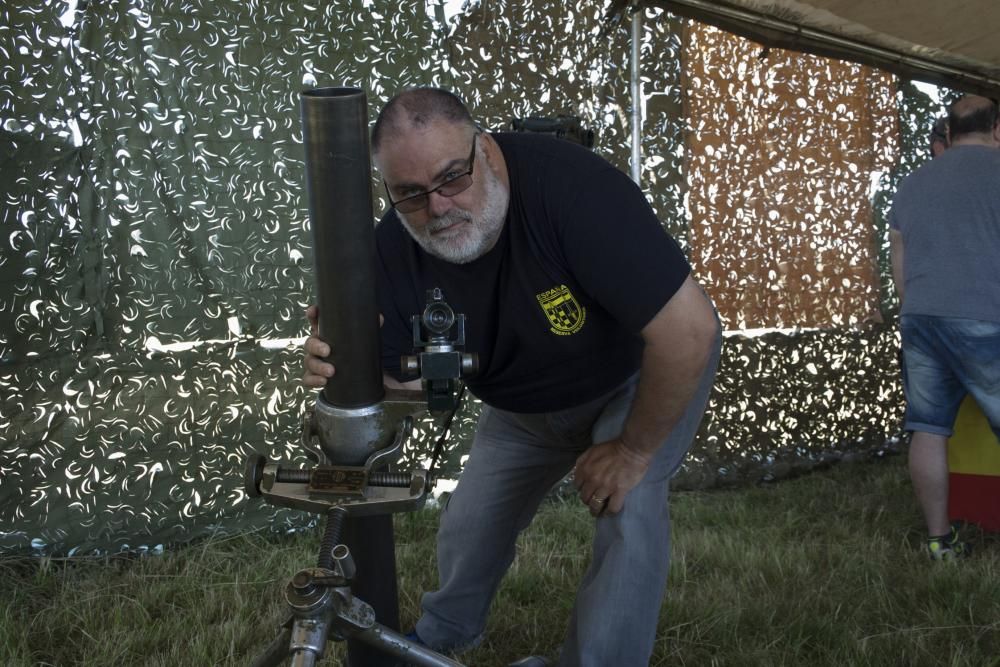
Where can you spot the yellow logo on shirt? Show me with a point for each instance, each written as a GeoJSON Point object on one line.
{"type": "Point", "coordinates": [563, 311]}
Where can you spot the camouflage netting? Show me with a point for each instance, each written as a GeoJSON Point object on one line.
{"type": "Point", "coordinates": [157, 254]}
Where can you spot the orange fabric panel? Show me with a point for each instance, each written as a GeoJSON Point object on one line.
{"type": "Point", "coordinates": [782, 150]}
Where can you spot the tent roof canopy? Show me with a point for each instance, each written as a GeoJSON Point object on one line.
{"type": "Point", "coordinates": [954, 44]}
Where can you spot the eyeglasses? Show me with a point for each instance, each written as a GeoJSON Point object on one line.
{"type": "Point", "coordinates": [449, 188]}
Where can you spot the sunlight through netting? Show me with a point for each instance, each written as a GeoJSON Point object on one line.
{"type": "Point", "coordinates": [157, 253]}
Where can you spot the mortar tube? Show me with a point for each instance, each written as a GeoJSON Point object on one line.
{"type": "Point", "coordinates": [338, 183]}
{"type": "Point", "coordinates": [339, 186]}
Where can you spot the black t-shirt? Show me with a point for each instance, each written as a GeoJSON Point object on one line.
{"type": "Point", "coordinates": [555, 309]}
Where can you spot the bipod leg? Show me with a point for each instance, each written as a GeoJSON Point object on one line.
{"type": "Point", "coordinates": [390, 642]}
{"type": "Point", "coordinates": [277, 650]}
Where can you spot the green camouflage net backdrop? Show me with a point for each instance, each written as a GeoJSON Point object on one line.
{"type": "Point", "coordinates": [156, 254]}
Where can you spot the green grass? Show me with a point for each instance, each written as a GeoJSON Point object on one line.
{"type": "Point", "coordinates": [820, 570]}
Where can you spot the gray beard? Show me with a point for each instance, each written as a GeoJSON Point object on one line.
{"type": "Point", "coordinates": [477, 238]}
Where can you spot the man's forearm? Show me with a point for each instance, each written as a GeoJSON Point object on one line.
{"type": "Point", "coordinates": [672, 369]}
{"type": "Point", "coordinates": [681, 341]}
{"type": "Point", "coordinates": [896, 260]}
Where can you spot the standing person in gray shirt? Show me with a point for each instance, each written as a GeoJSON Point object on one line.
{"type": "Point", "coordinates": [945, 245]}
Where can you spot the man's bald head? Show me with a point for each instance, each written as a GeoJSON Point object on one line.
{"type": "Point", "coordinates": [972, 115]}
{"type": "Point", "coordinates": [418, 108]}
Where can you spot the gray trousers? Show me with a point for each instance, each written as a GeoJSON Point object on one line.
{"type": "Point", "coordinates": [514, 462]}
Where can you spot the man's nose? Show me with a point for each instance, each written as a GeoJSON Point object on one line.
{"type": "Point", "coordinates": [438, 204]}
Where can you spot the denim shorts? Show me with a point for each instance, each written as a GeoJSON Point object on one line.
{"type": "Point", "coordinates": [945, 358]}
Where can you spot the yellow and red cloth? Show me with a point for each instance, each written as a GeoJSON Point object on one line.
{"type": "Point", "coordinates": [974, 469]}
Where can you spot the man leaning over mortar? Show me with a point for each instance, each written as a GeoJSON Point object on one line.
{"type": "Point", "coordinates": [597, 353]}
{"type": "Point", "coordinates": [945, 246]}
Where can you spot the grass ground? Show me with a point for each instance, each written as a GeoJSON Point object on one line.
{"type": "Point", "coordinates": [820, 570]}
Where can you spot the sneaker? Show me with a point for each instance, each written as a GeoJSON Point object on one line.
{"type": "Point", "coordinates": [948, 547]}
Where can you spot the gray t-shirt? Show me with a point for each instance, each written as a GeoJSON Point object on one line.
{"type": "Point", "coordinates": [948, 212]}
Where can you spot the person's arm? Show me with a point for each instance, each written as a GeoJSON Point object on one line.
{"type": "Point", "coordinates": [678, 344]}
{"type": "Point", "coordinates": [896, 255]}
{"type": "Point", "coordinates": [318, 371]}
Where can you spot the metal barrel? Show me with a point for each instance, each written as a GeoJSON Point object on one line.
{"type": "Point", "coordinates": [338, 183]}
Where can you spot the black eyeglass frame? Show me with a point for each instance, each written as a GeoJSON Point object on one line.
{"type": "Point", "coordinates": [413, 208]}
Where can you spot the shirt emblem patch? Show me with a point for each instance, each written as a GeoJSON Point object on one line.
{"type": "Point", "coordinates": [563, 311]}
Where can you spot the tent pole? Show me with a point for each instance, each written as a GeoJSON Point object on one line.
{"type": "Point", "coordinates": [636, 92]}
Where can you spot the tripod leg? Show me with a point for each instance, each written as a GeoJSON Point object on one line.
{"type": "Point", "coordinates": [390, 643]}
{"type": "Point", "coordinates": [276, 651]}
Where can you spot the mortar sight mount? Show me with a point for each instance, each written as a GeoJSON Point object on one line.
{"type": "Point", "coordinates": [440, 363]}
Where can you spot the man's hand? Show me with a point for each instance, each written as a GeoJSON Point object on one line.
{"type": "Point", "coordinates": [316, 370]}
{"type": "Point", "coordinates": [605, 474]}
